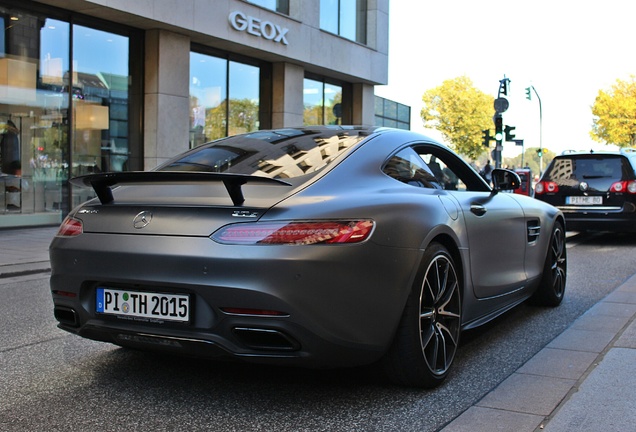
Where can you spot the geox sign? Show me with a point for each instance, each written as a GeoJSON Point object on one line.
{"type": "Point", "coordinates": [254, 26]}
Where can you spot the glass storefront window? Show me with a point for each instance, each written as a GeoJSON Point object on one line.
{"type": "Point", "coordinates": [100, 103]}
{"type": "Point", "coordinates": [214, 82]}
{"type": "Point", "coordinates": [322, 103]}
{"type": "Point", "coordinates": [281, 6]}
{"type": "Point", "coordinates": [312, 101]}
{"type": "Point", "coordinates": [59, 116]}
{"type": "Point", "coordinates": [392, 114]}
{"type": "Point", "coordinates": [33, 117]}
{"type": "Point", "coordinates": [208, 91]}
{"type": "Point", "coordinates": [346, 18]}
{"type": "Point", "coordinates": [244, 91]}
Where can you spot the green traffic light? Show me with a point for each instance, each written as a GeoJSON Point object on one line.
{"type": "Point", "coordinates": [529, 93]}
{"type": "Point", "coordinates": [498, 136]}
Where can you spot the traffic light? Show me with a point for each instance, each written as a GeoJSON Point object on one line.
{"type": "Point", "coordinates": [509, 131]}
{"type": "Point", "coordinates": [498, 127]}
{"type": "Point", "coordinates": [539, 152]}
{"type": "Point", "coordinates": [486, 137]}
{"type": "Point", "coordinates": [503, 86]}
{"type": "Point", "coordinates": [529, 93]}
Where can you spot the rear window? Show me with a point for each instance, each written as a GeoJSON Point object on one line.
{"type": "Point", "coordinates": [284, 153]}
{"type": "Point", "coordinates": [586, 168]}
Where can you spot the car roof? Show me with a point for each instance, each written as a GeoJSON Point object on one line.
{"type": "Point", "coordinates": [628, 151]}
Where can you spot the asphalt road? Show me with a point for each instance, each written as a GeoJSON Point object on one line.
{"type": "Point", "coordinates": [54, 381]}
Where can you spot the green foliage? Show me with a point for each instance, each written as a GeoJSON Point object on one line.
{"type": "Point", "coordinates": [615, 114]}
{"type": "Point", "coordinates": [530, 160]}
{"type": "Point", "coordinates": [460, 112]}
{"type": "Point", "coordinates": [243, 117]}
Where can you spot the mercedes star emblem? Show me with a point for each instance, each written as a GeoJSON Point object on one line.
{"type": "Point", "coordinates": [142, 219]}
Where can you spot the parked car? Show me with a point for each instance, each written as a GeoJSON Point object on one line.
{"type": "Point", "coordinates": [525, 186]}
{"type": "Point", "coordinates": [596, 191]}
{"type": "Point", "coordinates": [319, 246]}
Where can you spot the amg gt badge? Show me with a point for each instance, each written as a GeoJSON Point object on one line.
{"type": "Point", "coordinates": [244, 213]}
{"type": "Point", "coordinates": [142, 219]}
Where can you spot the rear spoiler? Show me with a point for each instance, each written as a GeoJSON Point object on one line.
{"type": "Point", "coordinates": [102, 183]}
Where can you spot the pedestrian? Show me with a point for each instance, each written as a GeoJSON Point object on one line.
{"type": "Point", "coordinates": [486, 172]}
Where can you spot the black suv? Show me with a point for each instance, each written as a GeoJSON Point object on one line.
{"type": "Point", "coordinates": [594, 190]}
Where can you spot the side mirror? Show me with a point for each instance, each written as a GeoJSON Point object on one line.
{"type": "Point", "coordinates": [504, 180]}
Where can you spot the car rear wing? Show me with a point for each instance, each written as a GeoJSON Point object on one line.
{"type": "Point", "coordinates": [103, 183]}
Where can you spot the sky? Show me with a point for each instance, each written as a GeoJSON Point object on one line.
{"type": "Point", "coordinates": [567, 50]}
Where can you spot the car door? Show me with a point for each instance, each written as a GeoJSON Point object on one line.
{"type": "Point", "coordinates": [495, 226]}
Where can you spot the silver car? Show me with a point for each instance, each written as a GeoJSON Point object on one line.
{"type": "Point", "coordinates": [319, 247]}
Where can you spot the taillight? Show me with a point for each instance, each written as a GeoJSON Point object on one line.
{"type": "Point", "coordinates": [70, 228]}
{"type": "Point", "coordinates": [546, 187]}
{"type": "Point", "coordinates": [624, 186]}
{"type": "Point", "coordinates": [618, 187]}
{"type": "Point", "coordinates": [295, 233]}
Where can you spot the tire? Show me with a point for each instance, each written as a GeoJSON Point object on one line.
{"type": "Point", "coordinates": [551, 288]}
{"type": "Point", "coordinates": [428, 335]}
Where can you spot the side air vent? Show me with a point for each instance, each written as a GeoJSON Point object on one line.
{"type": "Point", "coordinates": [534, 230]}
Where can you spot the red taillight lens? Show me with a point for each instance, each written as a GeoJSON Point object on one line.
{"type": "Point", "coordinates": [624, 186]}
{"type": "Point", "coordinates": [70, 228]}
{"type": "Point", "coordinates": [546, 187]}
{"type": "Point", "coordinates": [295, 233]}
{"type": "Point", "coordinates": [620, 186]}
{"type": "Point", "coordinates": [64, 293]}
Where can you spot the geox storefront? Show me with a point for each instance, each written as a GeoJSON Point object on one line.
{"type": "Point", "coordinates": [118, 85]}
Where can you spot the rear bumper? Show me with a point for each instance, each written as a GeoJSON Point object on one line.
{"type": "Point", "coordinates": [619, 218]}
{"type": "Point", "coordinates": [342, 303]}
{"type": "Point", "coordinates": [595, 221]}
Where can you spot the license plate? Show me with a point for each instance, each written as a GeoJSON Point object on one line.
{"type": "Point", "coordinates": [584, 200]}
{"type": "Point", "coordinates": [143, 305]}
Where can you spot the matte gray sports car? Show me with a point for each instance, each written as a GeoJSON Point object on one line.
{"type": "Point", "coordinates": [321, 247]}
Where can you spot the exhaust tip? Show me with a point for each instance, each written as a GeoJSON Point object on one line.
{"type": "Point", "coordinates": [265, 339]}
{"type": "Point", "coordinates": [66, 316]}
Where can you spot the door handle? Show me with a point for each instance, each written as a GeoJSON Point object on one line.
{"type": "Point", "coordinates": [477, 209]}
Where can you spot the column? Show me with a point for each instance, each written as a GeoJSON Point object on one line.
{"type": "Point", "coordinates": [167, 96]}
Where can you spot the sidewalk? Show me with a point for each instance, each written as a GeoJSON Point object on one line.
{"type": "Point", "coordinates": [25, 251]}
{"type": "Point", "coordinates": [583, 380]}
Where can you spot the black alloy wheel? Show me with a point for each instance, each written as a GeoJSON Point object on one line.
{"type": "Point", "coordinates": [427, 339]}
{"type": "Point", "coordinates": [552, 286]}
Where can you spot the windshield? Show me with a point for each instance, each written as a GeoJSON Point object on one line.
{"type": "Point", "coordinates": [282, 153]}
{"type": "Point", "coordinates": [600, 170]}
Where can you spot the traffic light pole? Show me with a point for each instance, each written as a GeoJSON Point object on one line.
{"type": "Point", "coordinates": [540, 126]}
{"type": "Point", "coordinates": [501, 105]}
{"type": "Point", "coordinates": [498, 119]}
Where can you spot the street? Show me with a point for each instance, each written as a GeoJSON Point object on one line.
{"type": "Point", "coordinates": [51, 380]}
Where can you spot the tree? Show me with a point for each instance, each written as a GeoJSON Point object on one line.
{"type": "Point", "coordinates": [460, 112]}
{"type": "Point", "coordinates": [530, 159]}
{"type": "Point", "coordinates": [615, 114]}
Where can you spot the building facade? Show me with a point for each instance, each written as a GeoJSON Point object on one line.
{"type": "Point", "coordinates": [115, 85]}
